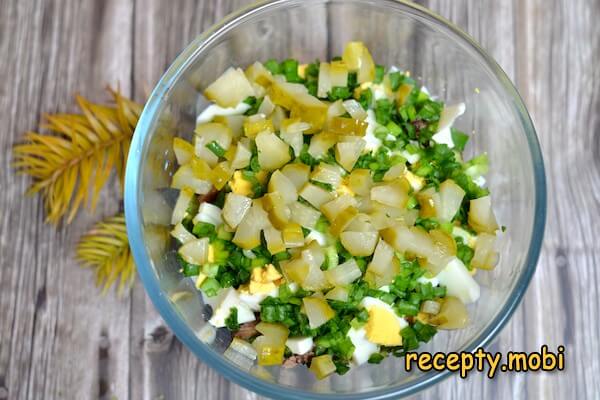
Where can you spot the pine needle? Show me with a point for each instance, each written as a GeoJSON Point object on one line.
{"type": "Point", "coordinates": [105, 248]}
{"type": "Point", "coordinates": [72, 162]}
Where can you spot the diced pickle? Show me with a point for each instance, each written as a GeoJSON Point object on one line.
{"type": "Point", "coordinates": [295, 270]}
{"type": "Point", "coordinates": [221, 174]}
{"type": "Point", "coordinates": [273, 153]}
{"type": "Point", "coordinates": [281, 184]}
{"type": "Point", "coordinates": [297, 173]}
{"type": "Point", "coordinates": [230, 88]}
{"type": "Point", "coordinates": [274, 240]}
{"type": "Point", "coordinates": [403, 93]}
{"type": "Point", "coordinates": [321, 143]}
{"type": "Point", "coordinates": [347, 126]}
{"type": "Point", "coordinates": [357, 58]}
{"type": "Point", "coordinates": [279, 213]}
{"type": "Point", "coordinates": [347, 153]}
{"type": "Point", "coordinates": [342, 220]}
{"type": "Point", "coordinates": [292, 235]}
{"type": "Point", "coordinates": [184, 151]}
{"type": "Point", "coordinates": [253, 127]}
{"type": "Point", "coordinates": [268, 352]}
{"type": "Point", "coordinates": [360, 181]}
{"type": "Point", "coordinates": [318, 311]}
{"type": "Point", "coordinates": [322, 366]}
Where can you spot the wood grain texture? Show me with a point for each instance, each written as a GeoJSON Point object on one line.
{"type": "Point", "coordinates": [58, 339]}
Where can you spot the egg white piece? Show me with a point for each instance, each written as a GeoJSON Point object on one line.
{"type": "Point", "coordinates": [411, 158]}
{"type": "Point", "coordinates": [214, 110]}
{"type": "Point", "coordinates": [253, 300]}
{"type": "Point", "coordinates": [362, 347]}
{"type": "Point", "coordinates": [447, 118]}
{"type": "Point", "coordinates": [372, 142]}
{"type": "Point", "coordinates": [300, 345]}
{"type": "Point", "coordinates": [230, 300]}
{"type": "Point", "coordinates": [434, 281]}
{"type": "Point", "coordinates": [208, 213]}
{"type": "Point", "coordinates": [459, 282]}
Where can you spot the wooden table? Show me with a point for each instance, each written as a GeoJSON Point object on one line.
{"type": "Point", "coordinates": [60, 339]}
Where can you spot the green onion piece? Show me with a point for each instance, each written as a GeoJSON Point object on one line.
{"type": "Point", "coordinates": [283, 255]}
{"type": "Point", "coordinates": [459, 139]}
{"type": "Point", "coordinates": [366, 98]}
{"type": "Point", "coordinates": [216, 148]}
{"type": "Point", "coordinates": [210, 287]}
{"type": "Point", "coordinates": [204, 229]}
{"type": "Point", "coordinates": [379, 72]}
{"type": "Point", "coordinates": [290, 70]}
{"type": "Point", "coordinates": [395, 80]}
{"type": "Point", "coordinates": [376, 358]}
{"type": "Point", "coordinates": [383, 111]}
{"type": "Point", "coordinates": [231, 322]}
{"type": "Point", "coordinates": [273, 66]}
{"type": "Point", "coordinates": [339, 93]}
{"type": "Point", "coordinates": [394, 128]}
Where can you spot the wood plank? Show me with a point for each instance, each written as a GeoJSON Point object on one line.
{"type": "Point", "coordinates": [58, 337]}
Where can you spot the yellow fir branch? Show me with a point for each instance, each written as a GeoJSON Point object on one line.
{"type": "Point", "coordinates": [72, 162]}
{"type": "Point", "coordinates": [105, 248]}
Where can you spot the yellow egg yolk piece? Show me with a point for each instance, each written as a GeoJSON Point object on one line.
{"type": "Point", "coordinates": [383, 327]}
{"type": "Point", "coordinates": [239, 185]}
{"type": "Point", "coordinates": [264, 279]}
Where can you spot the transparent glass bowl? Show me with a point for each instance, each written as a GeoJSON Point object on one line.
{"type": "Point", "coordinates": [447, 62]}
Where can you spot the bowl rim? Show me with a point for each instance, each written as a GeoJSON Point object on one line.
{"type": "Point", "coordinates": [182, 330]}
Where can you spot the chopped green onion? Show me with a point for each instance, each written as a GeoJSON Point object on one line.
{"type": "Point", "coordinates": [216, 148]}
{"type": "Point", "coordinates": [379, 72]}
{"type": "Point", "coordinates": [395, 80]}
{"type": "Point", "coordinates": [204, 229]}
{"type": "Point", "coordinates": [339, 93]}
{"type": "Point", "coordinates": [376, 358]}
{"type": "Point", "coordinates": [383, 111]}
{"type": "Point", "coordinates": [210, 287]}
{"type": "Point", "coordinates": [273, 66]}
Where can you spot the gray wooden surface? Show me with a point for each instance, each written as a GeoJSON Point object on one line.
{"type": "Point", "coordinates": [59, 339]}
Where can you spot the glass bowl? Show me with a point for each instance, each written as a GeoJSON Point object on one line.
{"type": "Point", "coordinates": [448, 62]}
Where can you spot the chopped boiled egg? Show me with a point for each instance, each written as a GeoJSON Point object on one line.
{"type": "Point", "coordinates": [230, 300]}
{"type": "Point", "coordinates": [264, 279]}
{"type": "Point", "coordinates": [208, 213]}
{"type": "Point", "coordinates": [253, 300]}
{"type": "Point", "coordinates": [373, 143]}
{"type": "Point", "coordinates": [241, 186]}
{"type": "Point", "coordinates": [214, 110]}
{"type": "Point", "coordinates": [412, 158]}
{"type": "Point", "coordinates": [434, 281]}
{"type": "Point", "coordinates": [300, 345]}
{"type": "Point", "coordinates": [459, 282]}
{"type": "Point", "coordinates": [447, 118]}
{"type": "Point", "coordinates": [384, 325]}
{"type": "Point", "coordinates": [363, 348]}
